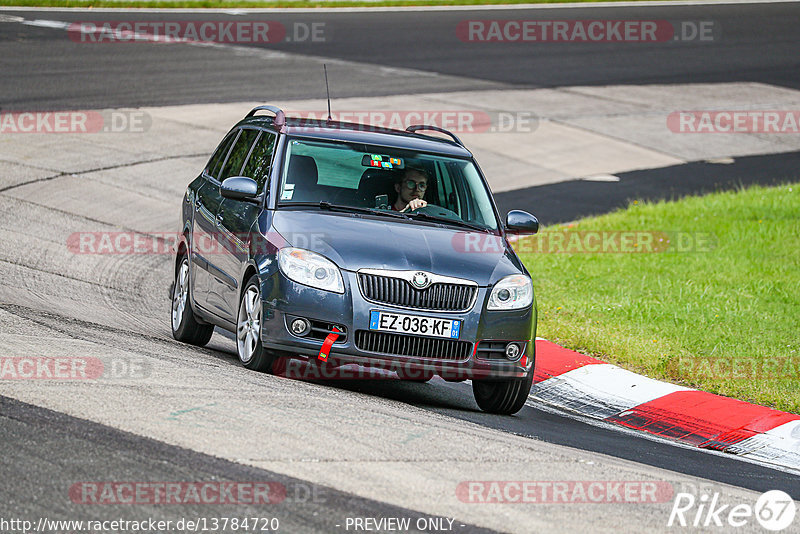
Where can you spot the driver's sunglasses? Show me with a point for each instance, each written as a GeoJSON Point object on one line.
{"type": "Point", "coordinates": [421, 186]}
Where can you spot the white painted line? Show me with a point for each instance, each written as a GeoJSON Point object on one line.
{"type": "Point", "coordinates": [601, 390]}
{"type": "Point", "coordinates": [262, 53]}
{"type": "Point", "coordinates": [601, 178]}
{"type": "Point", "coordinates": [653, 437]}
{"type": "Point", "coordinates": [594, 393]}
{"type": "Point", "coordinates": [500, 7]}
{"type": "Point", "coordinates": [788, 431]}
{"type": "Point", "coordinates": [780, 446]}
{"type": "Point", "coordinates": [56, 24]}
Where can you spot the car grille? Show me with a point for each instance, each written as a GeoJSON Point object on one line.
{"type": "Point", "coordinates": [491, 350]}
{"type": "Point", "coordinates": [320, 330]}
{"type": "Point", "coordinates": [399, 292]}
{"type": "Point", "coordinates": [412, 346]}
{"type": "Point", "coordinates": [495, 349]}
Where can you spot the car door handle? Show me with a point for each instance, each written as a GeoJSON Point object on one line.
{"type": "Point", "coordinates": [219, 219]}
{"type": "Point", "coordinates": [198, 204]}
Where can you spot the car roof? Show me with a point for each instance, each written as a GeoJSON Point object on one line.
{"type": "Point", "coordinates": [359, 133]}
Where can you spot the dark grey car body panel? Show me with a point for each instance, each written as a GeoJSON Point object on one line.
{"type": "Point", "coordinates": [228, 240]}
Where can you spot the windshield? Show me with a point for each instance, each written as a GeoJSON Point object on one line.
{"type": "Point", "coordinates": [384, 179]}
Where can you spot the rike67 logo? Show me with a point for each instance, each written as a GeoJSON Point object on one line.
{"type": "Point", "coordinates": [774, 510]}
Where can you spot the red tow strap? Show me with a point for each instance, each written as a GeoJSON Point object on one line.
{"type": "Point", "coordinates": [326, 346]}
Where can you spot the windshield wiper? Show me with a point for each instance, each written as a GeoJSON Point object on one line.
{"type": "Point", "coordinates": [446, 220]}
{"type": "Point", "coordinates": [325, 205]}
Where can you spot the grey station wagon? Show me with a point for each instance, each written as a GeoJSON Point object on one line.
{"type": "Point", "coordinates": [340, 245]}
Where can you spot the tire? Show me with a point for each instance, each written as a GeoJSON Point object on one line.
{"type": "Point", "coordinates": [185, 327]}
{"type": "Point", "coordinates": [504, 397]}
{"type": "Point", "coordinates": [251, 352]}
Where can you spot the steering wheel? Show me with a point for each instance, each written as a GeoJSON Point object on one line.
{"type": "Point", "coordinates": [433, 209]}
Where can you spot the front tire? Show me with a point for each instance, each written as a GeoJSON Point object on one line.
{"type": "Point", "coordinates": [251, 352]}
{"type": "Point", "coordinates": [504, 397]}
{"type": "Point", "coordinates": [185, 326]}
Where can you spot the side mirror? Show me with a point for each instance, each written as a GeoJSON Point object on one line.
{"type": "Point", "coordinates": [239, 188]}
{"type": "Point", "coordinates": [522, 222]}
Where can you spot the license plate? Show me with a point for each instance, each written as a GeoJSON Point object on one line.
{"type": "Point", "coordinates": [414, 324]}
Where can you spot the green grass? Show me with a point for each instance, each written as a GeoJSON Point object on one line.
{"type": "Point", "coordinates": [724, 320]}
{"type": "Point", "coordinates": [233, 4]}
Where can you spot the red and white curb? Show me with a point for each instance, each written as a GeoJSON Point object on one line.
{"type": "Point", "coordinates": [568, 380]}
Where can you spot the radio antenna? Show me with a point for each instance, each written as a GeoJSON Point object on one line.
{"type": "Point", "coordinates": [325, 67]}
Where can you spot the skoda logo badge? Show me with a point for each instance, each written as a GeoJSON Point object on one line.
{"type": "Point", "coordinates": [420, 280]}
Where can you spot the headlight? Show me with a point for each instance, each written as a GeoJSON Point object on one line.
{"type": "Point", "coordinates": [311, 269]}
{"type": "Point", "coordinates": [511, 293]}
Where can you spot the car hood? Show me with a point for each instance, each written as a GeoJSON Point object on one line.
{"type": "Point", "coordinates": [354, 242]}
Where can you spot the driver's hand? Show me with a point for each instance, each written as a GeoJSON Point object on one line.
{"type": "Point", "coordinates": [416, 204]}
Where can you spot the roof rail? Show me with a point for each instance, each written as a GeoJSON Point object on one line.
{"type": "Point", "coordinates": [416, 127]}
{"type": "Point", "coordinates": [280, 116]}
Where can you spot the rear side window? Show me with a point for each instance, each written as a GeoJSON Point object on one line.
{"type": "Point", "coordinates": [218, 158]}
{"type": "Point", "coordinates": [260, 160]}
{"type": "Point", "coordinates": [241, 148]}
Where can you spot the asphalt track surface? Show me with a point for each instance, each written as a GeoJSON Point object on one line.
{"type": "Point", "coordinates": [43, 70]}
{"type": "Point", "coordinates": [110, 454]}
{"type": "Point", "coordinates": [571, 200]}
{"type": "Point", "coordinates": [119, 304]}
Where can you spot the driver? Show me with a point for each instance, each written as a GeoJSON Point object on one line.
{"type": "Point", "coordinates": [410, 190]}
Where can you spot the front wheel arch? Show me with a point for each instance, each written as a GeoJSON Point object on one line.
{"type": "Point", "coordinates": [189, 328]}
{"type": "Point", "coordinates": [248, 274]}
{"type": "Point", "coordinates": [181, 251]}
{"type": "Point", "coordinates": [260, 359]}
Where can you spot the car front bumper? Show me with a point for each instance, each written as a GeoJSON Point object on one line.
{"type": "Point", "coordinates": [284, 299]}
